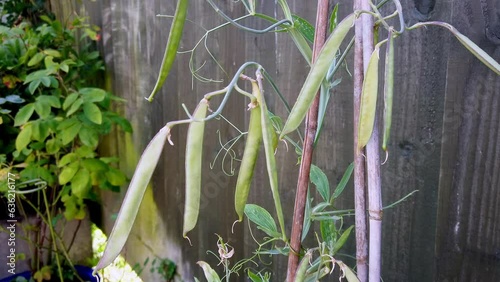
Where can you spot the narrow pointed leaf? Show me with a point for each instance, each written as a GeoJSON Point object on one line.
{"type": "Point", "coordinates": [133, 199]}
{"type": "Point", "coordinates": [343, 182]}
{"type": "Point", "coordinates": [262, 219]}
{"type": "Point", "coordinates": [341, 241]}
{"type": "Point", "coordinates": [318, 177]}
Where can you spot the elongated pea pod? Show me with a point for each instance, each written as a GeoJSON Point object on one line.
{"type": "Point", "coordinates": [388, 90]}
{"type": "Point", "coordinates": [300, 275]}
{"type": "Point", "coordinates": [368, 100]}
{"type": "Point", "coordinates": [469, 44]}
{"type": "Point", "coordinates": [133, 198]}
{"type": "Point", "coordinates": [267, 137]}
{"type": "Point", "coordinates": [174, 38]}
{"type": "Point", "coordinates": [194, 150]}
{"type": "Point", "coordinates": [316, 75]}
{"type": "Point", "coordinates": [250, 154]}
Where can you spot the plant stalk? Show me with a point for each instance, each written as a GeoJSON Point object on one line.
{"type": "Point", "coordinates": [359, 162]}
{"type": "Point", "coordinates": [307, 153]}
{"type": "Point", "coordinates": [372, 163]}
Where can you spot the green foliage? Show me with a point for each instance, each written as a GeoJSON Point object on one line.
{"type": "Point", "coordinates": [52, 115]}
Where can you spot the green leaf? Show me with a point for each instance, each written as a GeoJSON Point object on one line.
{"type": "Point", "coordinates": [24, 137]}
{"type": "Point", "coordinates": [68, 173]}
{"type": "Point", "coordinates": [74, 107]}
{"type": "Point", "coordinates": [53, 146]}
{"type": "Point", "coordinates": [341, 241]}
{"type": "Point", "coordinates": [263, 219]}
{"type": "Point", "coordinates": [333, 18]}
{"type": "Point", "coordinates": [75, 208]}
{"type": "Point", "coordinates": [45, 81]}
{"type": "Point", "coordinates": [304, 27]}
{"type": "Point", "coordinates": [92, 94]}
{"type": "Point", "coordinates": [85, 152]}
{"type": "Point", "coordinates": [210, 274]}
{"type": "Point", "coordinates": [66, 159]}
{"type": "Point", "coordinates": [343, 182]}
{"type": "Point", "coordinates": [36, 75]}
{"type": "Point", "coordinates": [40, 130]}
{"type": "Point", "coordinates": [36, 59]}
{"type": "Point", "coordinates": [34, 85]}
{"type": "Point", "coordinates": [70, 133]}
{"type": "Point", "coordinates": [319, 179]}
{"type": "Point", "coordinates": [53, 101]}
{"type": "Point", "coordinates": [52, 52]}
{"type": "Point", "coordinates": [42, 108]}
{"type": "Point", "coordinates": [69, 100]}
{"type": "Point", "coordinates": [89, 136]}
{"type": "Point", "coordinates": [92, 112]}
{"type": "Point", "coordinates": [80, 183]}
{"type": "Point", "coordinates": [115, 177]}
{"type": "Point", "coordinates": [328, 231]}
{"type": "Point", "coordinates": [24, 114]}
{"type": "Point", "coordinates": [94, 165]}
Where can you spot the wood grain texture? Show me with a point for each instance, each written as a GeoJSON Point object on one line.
{"type": "Point", "coordinates": [444, 139]}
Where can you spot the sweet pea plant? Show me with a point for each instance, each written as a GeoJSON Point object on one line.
{"type": "Point", "coordinates": [325, 58]}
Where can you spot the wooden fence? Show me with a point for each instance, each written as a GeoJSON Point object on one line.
{"type": "Point", "coordinates": [445, 139]}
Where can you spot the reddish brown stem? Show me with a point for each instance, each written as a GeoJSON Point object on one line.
{"type": "Point", "coordinates": [359, 162]}
{"type": "Point", "coordinates": [307, 152]}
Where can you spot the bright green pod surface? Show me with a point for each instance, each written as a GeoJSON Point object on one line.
{"type": "Point", "coordinates": [267, 137]}
{"type": "Point", "coordinates": [368, 100]}
{"type": "Point", "coordinates": [133, 198]}
{"type": "Point", "coordinates": [388, 90]}
{"type": "Point", "coordinates": [174, 38]}
{"type": "Point", "coordinates": [252, 146]}
{"type": "Point", "coordinates": [300, 275]}
{"type": "Point", "coordinates": [194, 152]}
{"type": "Point", "coordinates": [316, 75]}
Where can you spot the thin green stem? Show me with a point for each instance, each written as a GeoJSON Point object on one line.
{"type": "Point", "coordinates": [52, 234]}
{"type": "Point", "coordinates": [258, 31]}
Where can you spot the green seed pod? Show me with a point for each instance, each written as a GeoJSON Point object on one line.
{"type": "Point", "coordinates": [194, 152]}
{"type": "Point", "coordinates": [267, 129]}
{"type": "Point", "coordinates": [317, 75]}
{"type": "Point", "coordinates": [388, 90]}
{"type": "Point", "coordinates": [368, 100]}
{"type": "Point", "coordinates": [300, 275]}
{"type": "Point", "coordinates": [174, 38]}
{"type": "Point", "coordinates": [133, 199]}
{"type": "Point", "coordinates": [252, 146]}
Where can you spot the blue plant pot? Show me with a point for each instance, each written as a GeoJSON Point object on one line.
{"type": "Point", "coordinates": [85, 273]}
